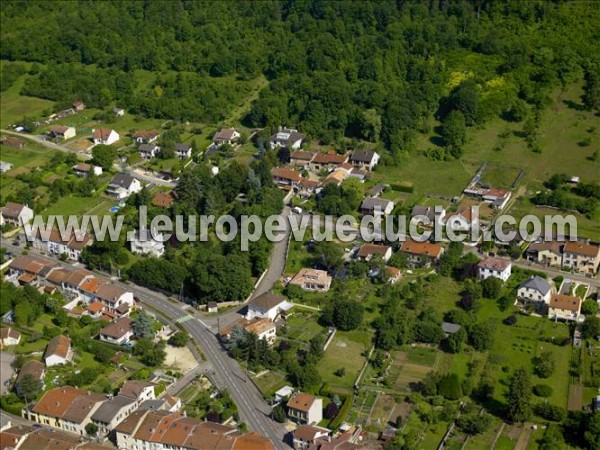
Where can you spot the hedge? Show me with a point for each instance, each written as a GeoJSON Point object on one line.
{"type": "Point", "coordinates": [343, 412]}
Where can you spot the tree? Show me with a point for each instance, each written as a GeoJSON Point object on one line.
{"type": "Point", "coordinates": [316, 346]}
{"type": "Point", "coordinates": [543, 364]}
{"type": "Point", "coordinates": [455, 341]}
{"type": "Point", "coordinates": [179, 339]}
{"type": "Point", "coordinates": [150, 354]}
{"type": "Point", "coordinates": [592, 433]}
{"type": "Point", "coordinates": [591, 89]}
{"type": "Point", "coordinates": [481, 336]}
{"type": "Point", "coordinates": [279, 414]}
{"type": "Point", "coordinates": [550, 412]}
{"type": "Point", "coordinates": [29, 387]}
{"type": "Point", "coordinates": [492, 287]}
{"type": "Point", "coordinates": [590, 328]}
{"type": "Point", "coordinates": [542, 390]}
{"type": "Point", "coordinates": [473, 423]}
{"type": "Point", "coordinates": [143, 326]}
{"type": "Point", "coordinates": [449, 386]}
{"type": "Point", "coordinates": [519, 396]}
{"type": "Point", "coordinates": [465, 99]}
{"type": "Point", "coordinates": [330, 411]}
{"type": "Point", "coordinates": [104, 156]}
{"type": "Point", "coordinates": [589, 307]}
{"type": "Point", "coordinates": [454, 133]}
{"type": "Point", "coordinates": [344, 314]}
{"type": "Point", "coordinates": [91, 429]}
{"type": "Point", "coordinates": [328, 255]}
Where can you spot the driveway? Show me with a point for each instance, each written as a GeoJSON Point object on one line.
{"type": "Point", "coordinates": [6, 370]}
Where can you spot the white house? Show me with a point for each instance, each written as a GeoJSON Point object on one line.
{"type": "Point", "coordinates": [581, 256]}
{"type": "Point", "coordinates": [305, 436]}
{"type": "Point", "coordinates": [226, 136]}
{"type": "Point", "coordinates": [119, 112]}
{"type": "Point", "coordinates": [286, 138]}
{"type": "Point", "coordinates": [535, 289]}
{"type": "Point", "coordinates": [122, 186]}
{"type": "Point", "coordinates": [266, 305]}
{"type": "Point", "coordinates": [105, 136]}
{"type": "Point", "coordinates": [183, 151]}
{"type": "Point", "coordinates": [145, 137]}
{"type": "Point", "coordinates": [118, 332]}
{"type": "Point", "coordinates": [564, 307]}
{"type": "Point", "coordinates": [58, 351]}
{"type": "Point", "coordinates": [84, 169]}
{"type": "Point", "coordinates": [65, 133]}
{"type": "Point", "coordinates": [5, 166]}
{"type": "Point", "coordinates": [138, 390]}
{"type": "Point", "coordinates": [114, 297]}
{"type": "Point", "coordinates": [305, 408]}
{"type": "Point", "coordinates": [146, 243]}
{"type": "Point", "coordinates": [71, 246]}
{"type": "Point", "coordinates": [148, 151]}
{"type": "Point", "coordinates": [16, 214]}
{"type": "Point", "coordinates": [367, 251]}
{"type": "Point", "coordinates": [9, 336]}
{"type": "Point", "coordinates": [364, 159]}
{"type": "Point", "coordinates": [312, 280]}
{"type": "Point", "coordinates": [494, 267]}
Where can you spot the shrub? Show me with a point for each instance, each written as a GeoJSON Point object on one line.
{"type": "Point", "coordinates": [542, 390]}
{"type": "Point", "coordinates": [510, 320]}
{"type": "Point", "coordinates": [550, 412]}
{"type": "Point", "coordinates": [449, 386]}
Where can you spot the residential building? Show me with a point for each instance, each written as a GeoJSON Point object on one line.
{"type": "Point", "coordinates": [377, 190]}
{"type": "Point", "coordinates": [162, 430]}
{"type": "Point", "coordinates": [61, 132]}
{"type": "Point", "coordinates": [367, 251]}
{"type": "Point", "coordinates": [394, 274]}
{"type": "Point", "coordinates": [547, 253]}
{"type": "Point", "coordinates": [306, 435]}
{"type": "Point", "coordinates": [122, 186]}
{"type": "Point", "coordinates": [497, 197]}
{"type": "Point", "coordinates": [564, 307]}
{"type": "Point", "coordinates": [450, 328]}
{"type": "Point", "coordinates": [12, 142]}
{"type": "Point", "coordinates": [148, 243]}
{"type": "Point", "coordinates": [78, 105]}
{"type": "Point", "coordinates": [336, 177]}
{"type": "Point", "coordinates": [145, 137]}
{"type": "Point", "coordinates": [25, 437]}
{"type": "Point", "coordinates": [166, 402]}
{"type": "Point", "coordinates": [119, 112]}
{"type": "Point", "coordinates": [305, 408]}
{"type": "Point", "coordinates": [30, 269]}
{"type": "Point", "coordinates": [9, 336]}
{"type": "Point", "coordinates": [84, 169]}
{"type": "Point", "coordinates": [58, 351]}
{"type": "Point", "coordinates": [105, 136]}
{"type": "Point", "coordinates": [494, 267]}
{"type": "Point", "coordinates": [114, 297]}
{"type": "Point", "coordinates": [16, 214]}
{"type": "Point", "coordinates": [326, 161]}
{"type": "Point", "coordinates": [581, 257]}
{"type": "Point", "coordinates": [286, 138]}
{"type": "Point", "coordinates": [421, 211]}
{"type": "Point", "coordinates": [262, 328]}
{"type": "Point", "coordinates": [376, 206]}
{"type": "Point", "coordinates": [72, 245]}
{"type": "Point", "coordinates": [32, 368]}
{"type": "Point", "coordinates": [183, 151]}
{"type": "Point", "coordinates": [267, 305]}
{"type": "Point", "coordinates": [138, 390]}
{"type": "Point", "coordinates": [148, 151]}
{"type": "Point", "coordinates": [535, 289]}
{"type": "Point", "coordinates": [421, 254]}
{"type": "Point", "coordinates": [312, 280]}
{"type": "Point", "coordinates": [364, 159]}
{"type": "Point", "coordinates": [301, 158]}
{"type": "Point", "coordinates": [226, 136]}
{"type": "Point", "coordinates": [118, 332]}
{"type": "Point", "coordinates": [286, 176]}
{"type": "Point", "coordinates": [111, 412]}
{"type": "Point", "coordinates": [5, 166]}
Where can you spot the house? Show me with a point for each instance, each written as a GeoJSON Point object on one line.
{"type": "Point", "coordinates": [305, 436]}
{"type": "Point", "coordinates": [5, 166]}
{"type": "Point", "coordinates": [547, 253]}
{"type": "Point", "coordinates": [262, 328]}
{"type": "Point", "coordinates": [286, 138]}
{"type": "Point", "coordinates": [394, 274]}
{"type": "Point", "coordinates": [105, 136]}
{"type": "Point", "coordinates": [163, 199]}
{"type": "Point", "coordinates": [111, 412]}
{"type": "Point", "coordinates": [285, 176]}
{"type": "Point", "coordinates": [9, 336]}
{"type": "Point", "coordinates": [78, 105]}
{"type": "Point", "coordinates": [71, 245]}
{"type": "Point", "coordinates": [123, 185]}
{"type": "Point", "coordinates": [183, 151]}
{"type": "Point", "coordinates": [119, 112]}
{"type": "Point", "coordinates": [376, 206]}
{"type": "Point", "coordinates": [421, 211]}
{"type": "Point", "coordinates": [30, 270]}
{"type": "Point", "coordinates": [163, 430]}
{"type": "Point", "coordinates": [535, 289]}
{"type": "Point", "coordinates": [33, 368]}
{"type": "Point", "coordinates": [267, 306]}
{"type": "Point", "coordinates": [367, 251]}
{"type": "Point", "coordinates": [95, 310]}
{"type": "Point", "coordinates": [450, 328]}
{"type": "Point", "coordinates": [497, 197]}
{"type": "Point", "coordinates": [284, 393]}
{"type": "Point", "coordinates": [226, 136]}
{"type": "Point", "coordinates": [165, 403]}
{"type": "Point", "coordinates": [145, 137]}
{"type": "Point", "coordinates": [377, 190]}
{"type": "Point", "coordinates": [212, 307]}
{"type": "Point", "coordinates": [305, 408]}
{"type": "Point", "coordinates": [581, 257]}
{"type": "Point", "coordinates": [66, 408]}
{"type": "Point", "coordinates": [336, 177]}
{"type": "Point", "coordinates": [421, 254]}
{"type": "Point", "coordinates": [25, 437]}
{"type": "Point", "coordinates": [58, 351]}
{"type": "Point", "coordinates": [12, 142]}
{"type": "Point", "coordinates": [138, 390]}
{"type": "Point", "coordinates": [16, 214]}
{"type": "Point", "coordinates": [148, 151]}
{"type": "Point", "coordinates": [118, 332]}
{"type": "Point", "coordinates": [461, 220]}
{"type": "Point", "coordinates": [114, 297]}
{"type": "Point", "coordinates": [301, 158]}
{"type": "Point", "coordinates": [306, 188]}
{"type": "Point", "coordinates": [564, 307]}
{"type": "Point", "coordinates": [312, 280]}
{"type": "Point", "coordinates": [494, 267]}
{"type": "Point", "coordinates": [145, 242]}
{"type": "Point", "coordinates": [58, 131]}
{"type": "Point", "coordinates": [84, 169]}
{"type": "Point", "coordinates": [364, 159]}
{"type": "Point", "coordinates": [327, 161]}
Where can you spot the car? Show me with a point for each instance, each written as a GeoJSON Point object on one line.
{"type": "Point", "coordinates": [297, 210]}
{"type": "Point", "coordinates": [16, 242]}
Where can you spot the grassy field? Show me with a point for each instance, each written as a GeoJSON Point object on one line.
{"type": "Point", "coordinates": [344, 351]}
{"type": "Point", "coordinates": [73, 205]}
{"type": "Point", "coordinates": [302, 326]}
{"type": "Point", "coordinates": [270, 382]}
{"type": "Point", "coordinates": [14, 106]}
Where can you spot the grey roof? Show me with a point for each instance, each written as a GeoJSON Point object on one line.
{"type": "Point", "coordinates": [122, 179]}
{"type": "Point", "coordinates": [370, 203]}
{"type": "Point", "coordinates": [154, 405]}
{"type": "Point", "coordinates": [376, 190]}
{"type": "Point", "coordinates": [182, 147]}
{"type": "Point", "coordinates": [110, 408]}
{"type": "Point", "coordinates": [365, 156]}
{"type": "Point", "coordinates": [537, 283]}
{"type": "Point", "coordinates": [420, 210]}
{"type": "Point", "coordinates": [450, 328]}
{"type": "Point", "coordinates": [147, 147]}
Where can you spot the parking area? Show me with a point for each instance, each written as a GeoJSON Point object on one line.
{"type": "Point", "coordinates": [6, 370]}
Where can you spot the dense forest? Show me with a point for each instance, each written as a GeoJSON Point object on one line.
{"type": "Point", "coordinates": [372, 70]}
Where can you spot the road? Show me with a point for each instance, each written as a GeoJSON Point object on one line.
{"type": "Point", "coordinates": [226, 373]}
{"type": "Point", "coordinates": [51, 145]}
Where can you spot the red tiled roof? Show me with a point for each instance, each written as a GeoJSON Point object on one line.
{"type": "Point", "coordinates": [421, 248]}
{"type": "Point", "coordinates": [582, 248]}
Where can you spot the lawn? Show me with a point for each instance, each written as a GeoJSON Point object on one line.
{"type": "Point", "coordinates": [72, 205]}
{"type": "Point", "coordinates": [269, 382]}
{"type": "Point", "coordinates": [302, 326]}
{"type": "Point", "coordinates": [345, 351]}
{"type": "Point", "coordinates": [26, 157]}
{"type": "Point", "coordinates": [15, 106]}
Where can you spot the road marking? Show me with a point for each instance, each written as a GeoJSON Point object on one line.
{"type": "Point", "coordinates": [184, 319]}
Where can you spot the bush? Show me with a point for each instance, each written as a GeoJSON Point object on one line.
{"type": "Point", "coordinates": [510, 320]}
{"type": "Point", "coordinates": [449, 386]}
{"type": "Point", "coordinates": [550, 412]}
{"type": "Point", "coordinates": [542, 390]}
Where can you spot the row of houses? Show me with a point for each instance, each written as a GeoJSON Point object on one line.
{"type": "Point", "coordinates": [151, 150]}
{"type": "Point", "coordinates": [580, 256]}
{"type": "Point", "coordinates": [26, 437]}
{"type": "Point", "coordinates": [539, 292]}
